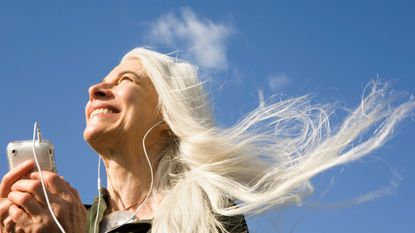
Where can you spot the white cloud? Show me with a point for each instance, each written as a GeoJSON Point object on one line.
{"type": "Point", "coordinates": [278, 82]}
{"type": "Point", "coordinates": [204, 40]}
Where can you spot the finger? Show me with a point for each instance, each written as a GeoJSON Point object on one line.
{"type": "Point", "coordinates": [33, 187]}
{"type": "Point", "coordinates": [15, 174]}
{"type": "Point", "coordinates": [54, 183]}
{"type": "Point", "coordinates": [73, 190]}
{"type": "Point", "coordinates": [18, 215]}
{"type": "Point", "coordinates": [19, 229]}
{"type": "Point", "coordinates": [9, 225]}
{"type": "Point", "coordinates": [26, 202]}
{"type": "Point", "coordinates": [4, 209]}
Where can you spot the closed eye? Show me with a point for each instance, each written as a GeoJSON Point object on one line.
{"type": "Point", "coordinates": [125, 79]}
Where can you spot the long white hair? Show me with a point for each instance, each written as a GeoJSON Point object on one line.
{"type": "Point", "coordinates": [264, 161]}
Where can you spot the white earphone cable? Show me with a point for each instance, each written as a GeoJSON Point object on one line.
{"type": "Point", "coordinates": [42, 181]}
{"type": "Point", "coordinates": [99, 194]}
{"type": "Point", "coordinates": [151, 175]}
{"type": "Point", "coordinates": [150, 189]}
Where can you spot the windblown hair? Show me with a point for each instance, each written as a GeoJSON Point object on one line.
{"type": "Point", "coordinates": [264, 161]}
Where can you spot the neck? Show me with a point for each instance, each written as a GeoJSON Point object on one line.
{"type": "Point", "coordinates": [128, 171]}
{"type": "Point", "coordinates": [129, 179]}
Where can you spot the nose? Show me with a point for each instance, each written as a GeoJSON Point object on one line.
{"type": "Point", "coordinates": [100, 91]}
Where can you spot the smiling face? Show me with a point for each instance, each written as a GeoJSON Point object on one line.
{"type": "Point", "coordinates": [122, 107]}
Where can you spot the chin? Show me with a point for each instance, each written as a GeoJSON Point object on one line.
{"type": "Point", "coordinates": [93, 134]}
{"type": "Point", "coordinates": [101, 135]}
{"type": "Point", "coordinates": [90, 137]}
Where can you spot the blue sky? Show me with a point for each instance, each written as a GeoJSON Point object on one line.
{"type": "Point", "coordinates": [52, 51]}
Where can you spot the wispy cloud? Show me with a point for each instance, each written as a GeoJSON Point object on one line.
{"type": "Point", "coordinates": [278, 82]}
{"type": "Point", "coordinates": [205, 41]}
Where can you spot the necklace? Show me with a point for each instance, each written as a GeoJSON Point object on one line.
{"type": "Point", "coordinates": [115, 219]}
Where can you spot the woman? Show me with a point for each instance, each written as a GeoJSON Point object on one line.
{"type": "Point", "coordinates": [170, 168]}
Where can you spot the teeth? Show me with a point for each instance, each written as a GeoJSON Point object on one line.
{"type": "Point", "coordinates": [101, 111]}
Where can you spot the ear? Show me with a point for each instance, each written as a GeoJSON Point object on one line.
{"type": "Point", "coordinates": [167, 132]}
{"type": "Point", "coordinates": [164, 127]}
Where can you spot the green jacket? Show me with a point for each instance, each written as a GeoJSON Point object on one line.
{"type": "Point", "coordinates": [233, 224]}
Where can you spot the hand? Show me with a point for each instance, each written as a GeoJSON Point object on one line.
{"type": "Point", "coordinates": [6, 222]}
{"type": "Point", "coordinates": [28, 211]}
{"type": "Point", "coordinates": [14, 175]}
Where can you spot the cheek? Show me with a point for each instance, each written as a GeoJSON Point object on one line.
{"type": "Point", "coordinates": [139, 102]}
{"type": "Point", "coordinates": [126, 93]}
{"type": "Point", "coordinates": [133, 104]}
{"type": "Point", "coordinates": [132, 100]}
